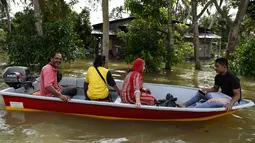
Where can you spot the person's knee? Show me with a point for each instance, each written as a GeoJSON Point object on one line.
{"type": "Point", "coordinates": [74, 91]}
{"type": "Point", "coordinates": [208, 96]}
{"type": "Point", "coordinates": [70, 91]}
{"type": "Point", "coordinates": [211, 104]}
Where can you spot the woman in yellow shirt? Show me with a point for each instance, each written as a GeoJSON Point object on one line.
{"type": "Point", "coordinates": [97, 78]}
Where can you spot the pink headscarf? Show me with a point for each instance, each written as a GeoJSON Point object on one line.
{"type": "Point", "coordinates": [138, 65]}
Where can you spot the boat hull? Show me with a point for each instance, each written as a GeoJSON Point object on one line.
{"type": "Point", "coordinates": [106, 111]}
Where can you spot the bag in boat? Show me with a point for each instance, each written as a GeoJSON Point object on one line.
{"type": "Point", "coordinates": [168, 102]}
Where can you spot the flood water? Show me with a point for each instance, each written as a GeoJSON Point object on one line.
{"type": "Point", "coordinates": [43, 127]}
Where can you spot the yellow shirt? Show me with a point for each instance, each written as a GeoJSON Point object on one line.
{"type": "Point", "coordinates": [97, 88]}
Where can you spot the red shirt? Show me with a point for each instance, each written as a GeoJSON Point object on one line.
{"type": "Point", "coordinates": [48, 77]}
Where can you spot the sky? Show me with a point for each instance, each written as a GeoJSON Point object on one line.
{"type": "Point", "coordinates": [95, 16]}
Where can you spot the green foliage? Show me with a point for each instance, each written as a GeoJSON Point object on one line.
{"type": "Point", "coordinates": [182, 49]}
{"type": "Point", "coordinates": [117, 13]}
{"type": "Point", "coordinates": [248, 27]}
{"type": "Point", "coordinates": [150, 44]}
{"type": "Point", "coordinates": [3, 36]}
{"type": "Point", "coordinates": [23, 42]}
{"type": "Point", "coordinates": [147, 35]}
{"type": "Point", "coordinates": [251, 10]}
{"type": "Point", "coordinates": [83, 29]}
{"type": "Point", "coordinates": [3, 24]}
{"type": "Point", "coordinates": [243, 58]}
{"type": "Point", "coordinates": [149, 10]}
{"type": "Point", "coordinates": [145, 42]}
{"type": "Point", "coordinates": [219, 27]}
{"type": "Point", "coordinates": [59, 36]}
{"type": "Point", "coordinates": [26, 48]}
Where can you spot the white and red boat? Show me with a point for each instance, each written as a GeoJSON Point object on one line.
{"type": "Point", "coordinates": [22, 99]}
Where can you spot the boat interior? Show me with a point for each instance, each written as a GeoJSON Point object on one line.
{"type": "Point", "coordinates": [159, 91]}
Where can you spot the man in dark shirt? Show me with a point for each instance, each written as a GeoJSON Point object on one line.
{"type": "Point", "coordinates": [230, 87]}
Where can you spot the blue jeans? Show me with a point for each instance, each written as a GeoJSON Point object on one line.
{"type": "Point", "coordinates": [206, 97]}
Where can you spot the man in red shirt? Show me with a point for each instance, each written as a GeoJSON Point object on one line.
{"type": "Point", "coordinates": [48, 80]}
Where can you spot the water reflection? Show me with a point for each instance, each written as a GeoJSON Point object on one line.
{"type": "Point", "coordinates": [43, 127]}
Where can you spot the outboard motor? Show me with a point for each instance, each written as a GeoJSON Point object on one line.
{"type": "Point", "coordinates": [18, 76]}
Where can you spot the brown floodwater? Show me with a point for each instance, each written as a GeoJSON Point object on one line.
{"type": "Point", "coordinates": [44, 127]}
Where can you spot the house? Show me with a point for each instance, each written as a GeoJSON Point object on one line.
{"type": "Point", "coordinates": [206, 37]}
{"type": "Point", "coordinates": [206, 40]}
{"type": "Point", "coordinates": [114, 41]}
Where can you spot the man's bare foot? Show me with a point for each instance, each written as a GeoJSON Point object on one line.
{"type": "Point", "coordinates": [182, 106]}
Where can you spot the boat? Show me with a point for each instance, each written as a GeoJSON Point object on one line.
{"type": "Point", "coordinates": [23, 99]}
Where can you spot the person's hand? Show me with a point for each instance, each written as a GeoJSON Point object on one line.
{"type": "Point", "coordinates": [228, 107]}
{"type": "Point", "coordinates": [119, 92]}
{"type": "Point", "coordinates": [138, 104]}
{"type": "Point", "coordinates": [65, 98]}
{"type": "Point", "coordinates": [148, 90]}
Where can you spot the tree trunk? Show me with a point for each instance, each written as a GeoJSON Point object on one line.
{"type": "Point", "coordinates": [38, 17]}
{"type": "Point", "coordinates": [170, 36]}
{"type": "Point", "coordinates": [234, 30]}
{"type": "Point", "coordinates": [212, 22]}
{"type": "Point", "coordinates": [176, 8]}
{"type": "Point", "coordinates": [105, 7]}
{"type": "Point", "coordinates": [188, 16]}
{"type": "Point", "coordinates": [195, 34]}
{"type": "Point", "coordinates": [180, 30]}
{"type": "Point", "coordinates": [8, 16]}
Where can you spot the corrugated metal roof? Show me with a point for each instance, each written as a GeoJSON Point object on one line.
{"type": "Point", "coordinates": [99, 32]}
{"type": "Point", "coordinates": [203, 35]}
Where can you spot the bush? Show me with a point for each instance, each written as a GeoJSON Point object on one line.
{"type": "Point", "coordinates": [147, 42]}
{"type": "Point", "coordinates": [243, 58]}
{"type": "Point", "coordinates": [3, 36]}
{"type": "Point", "coordinates": [27, 48]}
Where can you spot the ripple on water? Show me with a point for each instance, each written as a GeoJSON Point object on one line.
{"type": "Point", "coordinates": [167, 141]}
{"type": "Point", "coordinates": [29, 132]}
{"type": "Point", "coordinates": [3, 113]}
{"type": "Point", "coordinates": [115, 65]}
{"type": "Point", "coordinates": [179, 141]}
{"type": "Point", "coordinates": [116, 75]}
{"type": "Point", "coordinates": [117, 140]}
{"type": "Point", "coordinates": [3, 125]}
{"type": "Point", "coordinates": [120, 71]}
{"type": "Point", "coordinates": [251, 140]}
{"type": "Point", "coordinates": [236, 116]}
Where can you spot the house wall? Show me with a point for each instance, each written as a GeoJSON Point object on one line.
{"type": "Point", "coordinates": [115, 42]}
{"type": "Point", "coordinates": [204, 51]}
{"type": "Point", "coordinates": [207, 47]}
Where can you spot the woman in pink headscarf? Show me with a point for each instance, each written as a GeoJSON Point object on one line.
{"type": "Point", "coordinates": [132, 90]}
